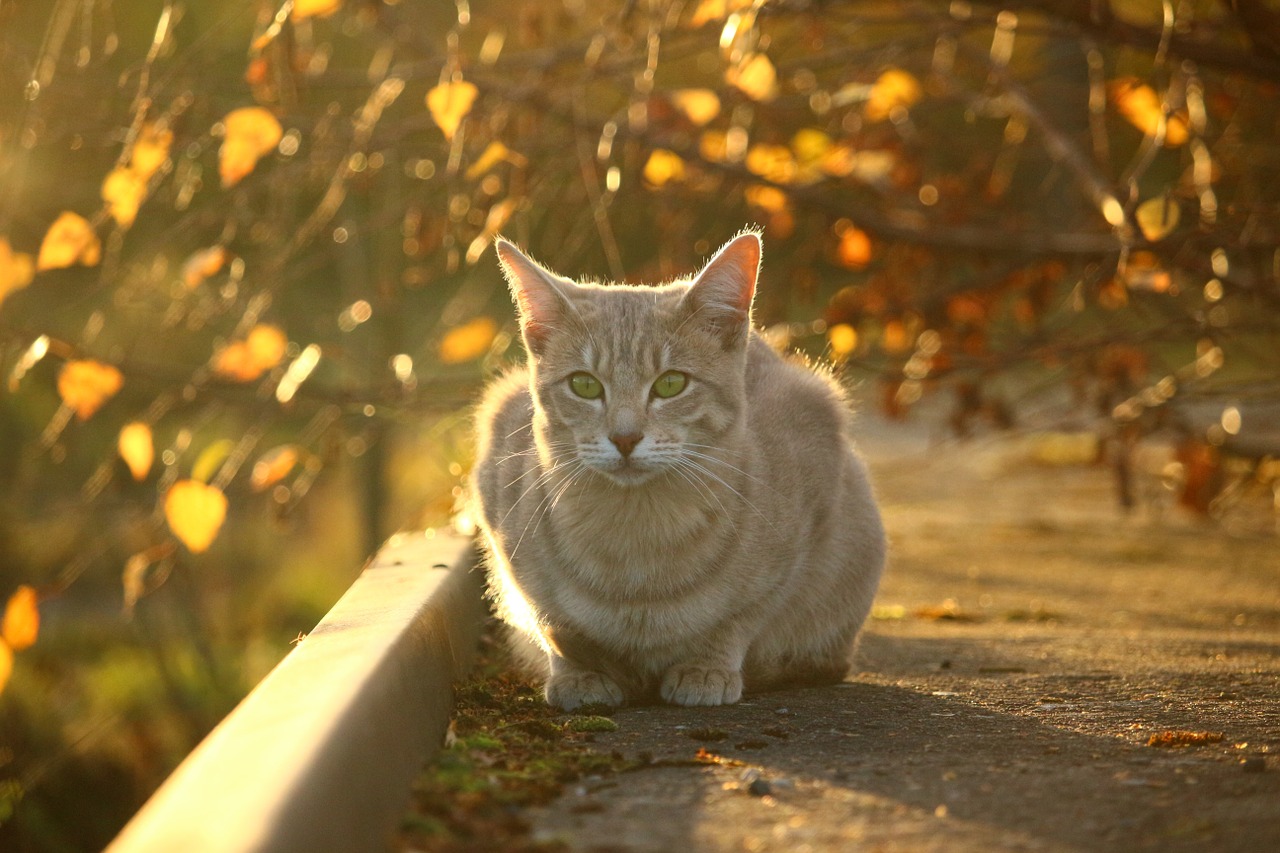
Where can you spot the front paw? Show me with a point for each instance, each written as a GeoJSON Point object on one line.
{"type": "Point", "coordinates": [569, 690]}
{"type": "Point", "coordinates": [688, 684]}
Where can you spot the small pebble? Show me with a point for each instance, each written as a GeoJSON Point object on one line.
{"type": "Point", "coordinates": [1253, 764]}
{"type": "Point", "coordinates": [760, 788]}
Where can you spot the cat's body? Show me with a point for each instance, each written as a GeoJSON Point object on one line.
{"type": "Point", "coordinates": [680, 543]}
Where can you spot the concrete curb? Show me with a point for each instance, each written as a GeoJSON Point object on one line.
{"type": "Point", "coordinates": [321, 755]}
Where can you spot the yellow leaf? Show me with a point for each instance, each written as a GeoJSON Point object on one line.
{"type": "Point", "coordinates": [771, 162]}
{"type": "Point", "coordinates": [210, 459]}
{"type": "Point", "coordinates": [21, 619]}
{"type": "Point", "coordinates": [245, 361]}
{"type": "Point", "coordinates": [314, 8]}
{"type": "Point", "coordinates": [1157, 217]}
{"type": "Point", "coordinates": [698, 105]}
{"type": "Point", "coordinates": [123, 191]}
{"type": "Point", "coordinates": [1141, 107]}
{"type": "Point", "coordinates": [85, 385]}
{"type": "Point", "coordinates": [150, 151]}
{"type": "Point", "coordinates": [771, 199]}
{"type": "Point", "coordinates": [843, 339]}
{"type": "Point", "coordinates": [202, 264]}
{"type": "Point", "coordinates": [70, 240]}
{"type": "Point", "coordinates": [449, 103]}
{"type": "Point", "coordinates": [137, 449]}
{"type": "Point", "coordinates": [854, 250]}
{"type": "Point", "coordinates": [468, 341]}
{"type": "Point", "coordinates": [713, 145]}
{"type": "Point", "coordinates": [810, 145]}
{"type": "Point", "coordinates": [893, 89]}
{"type": "Point", "coordinates": [195, 513]}
{"type": "Point", "coordinates": [492, 155]}
{"type": "Point", "coordinates": [755, 77]}
{"type": "Point", "coordinates": [272, 466]}
{"type": "Point", "coordinates": [16, 269]}
{"type": "Point", "coordinates": [662, 167]}
{"type": "Point", "coordinates": [250, 134]}
{"type": "Point", "coordinates": [6, 664]}
{"type": "Point", "coordinates": [716, 10]}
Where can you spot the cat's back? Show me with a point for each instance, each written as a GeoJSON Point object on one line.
{"type": "Point", "coordinates": [800, 413]}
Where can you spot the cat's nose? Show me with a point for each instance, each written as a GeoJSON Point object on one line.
{"type": "Point", "coordinates": [626, 442]}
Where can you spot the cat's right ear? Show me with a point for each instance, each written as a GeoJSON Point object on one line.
{"type": "Point", "coordinates": [541, 296]}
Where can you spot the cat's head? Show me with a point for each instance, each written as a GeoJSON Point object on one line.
{"type": "Point", "coordinates": [633, 382]}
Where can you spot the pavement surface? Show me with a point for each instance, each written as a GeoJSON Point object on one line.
{"type": "Point", "coordinates": [1029, 647]}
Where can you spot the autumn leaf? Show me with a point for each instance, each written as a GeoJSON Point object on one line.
{"type": "Point", "coordinates": [150, 151]}
{"type": "Point", "coordinates": [85, 385]}
{"type": "Point", "coordinates": [124, 190]}
{"type": "Point", "coordinates": [6, 664]}
{"type": "Point", "coordinates": [449, 103]}
{"type": "Point", "coordinates": [663, 167]}
{"type": "Point", "coordinates": [493, 154]}
{"type": "Point", "coordinates": [716, 10]}
{"type": "Point", "coordinates": [1141, 107]}
{"type": "Point", "coordinates": [771, 162]}
{"type": "Point", "coordinates": [1144, 272]}
{"type": "Point", "coordinates": [810, 146]}
{"type": "Point", "coordinates": [766, 198]}
{"type": "Point", "coordinates": [698, 105]}
{"type": "Point", "coordinates": [314, 8]}
{"type": "Point", "coordinates": [894, 337]}
{"type": "Point", "coordinates": [893, 89]}
{"type": "Point", "coordinates": [250, 134]}
{"type": "Point", "coordinates": [21, 619]}
{"type": "Point", "coordinates": [755, 77]}
{"type": "Point", "coordinates": [16, 269]}
{"type": "Point", "coordinates": [210, 459]}
{"type": "Point", "coordinates": [195, 513]}
{"type": "Point", "coordinates": [69, 240]}
{"type": "Point", "coordinates": [713, 146]}
{"type": "Point", "coordinates": [854, 249]}
{"type": "Point", "coordinates": [468, 341]}
{"type": "Point", "coordinates": [497, 217]}
{"type": "Point", "coordinates": [843, 340]}
{"type": "Point", "coordinates": [201, 264]}
{"type": "Point", "coordinates": [245, 361]}
{"type": "Point", "coordinates": [1157, 217]}
{"type": "Point", "coordinates": [137, 449]}
{"type": "Point", "coordinates": [273, 466]}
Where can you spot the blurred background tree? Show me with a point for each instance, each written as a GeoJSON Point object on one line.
{"type": "Point", "coordinates": [245, 294]}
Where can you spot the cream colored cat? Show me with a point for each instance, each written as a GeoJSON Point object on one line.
{"type": "Point", "coordinates": [669, 505]}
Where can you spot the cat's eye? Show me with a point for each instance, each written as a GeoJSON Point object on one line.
{"type": "Point", "coordinates": [585, 385]}
{"type": "Point", "coordinates": [670, 384]}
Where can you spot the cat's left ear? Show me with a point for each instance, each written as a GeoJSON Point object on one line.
{"type": "Point", "coordinates": [721, 294]}
{"type": "Point", "coordinates": [541, 296]}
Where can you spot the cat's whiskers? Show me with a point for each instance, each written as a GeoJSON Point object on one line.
{"type": "Point", "coordinates": [679, 465]}
{"type": "Point", "coordinates": [544, 477]}
{"type": "Point", "coordinates": [698, 467]}
{"type": "Point", "coordinates": [733, 468]}
{"type": "Point", "coordinates": [548, 502]}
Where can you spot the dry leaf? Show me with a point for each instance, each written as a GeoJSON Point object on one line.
{"type": "Point", "coordinates": [755, 77]}
{"type": "Point", "coordinates": [1179, 737]}
{"type": "Point", "coordinates": [201, 264]}
{"type": "Point", "coordinates": [1157, 217]}
{"type": "Point", "coordinates": [150, 151]}
{"type": "Point", "coordinates": [251, 133]}
{"type": "Point", "coordinates": [21, 619]}
{"type": "Point", "coordinates": [137, 449]}
{"type": "Point", "coordinates": [843, 340]}
{"type": "Point", "coordinates": [69, 240]}
{"type": "Point", "coordinates": [468, 341]}
{"type": "Point", "coordinates": [492, 155]}
{"type": "Point", "coordinates": [854, 249]}
{"type": "Point", "coordinates": [314, 8]}
{"type": "Point", "coordinates": [893, 89]}
{"type": "Point", "coordinates": [16, 269]}
{"type": "Point", "coordinates": [1141, 107]}
{"type": "Point", "coordinates": [85, 385]}
{"type": "Point", "coordinates": [195, 513]}
{"type": "Point", "coordinates": [245, 361]}
{"type": "Point", "coordinates": [124, 190]}
{"type": "Point", "coordinates": [449, 103]}
{"type": "Point", "coordinates": [698, 105]}
{"type": "Point", "coordinates": [662, 167]}
{"type": "Point", "coordinates": [273, 466]}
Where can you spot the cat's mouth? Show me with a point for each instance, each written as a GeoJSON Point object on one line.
{"type": "Point", "coordinates": [628, 472]}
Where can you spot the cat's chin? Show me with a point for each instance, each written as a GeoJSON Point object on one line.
{"type": "Point", "coordinates": [628, 475]}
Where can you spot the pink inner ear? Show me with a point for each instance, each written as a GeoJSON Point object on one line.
{"type": "Point", "coordinates": [729, 278]}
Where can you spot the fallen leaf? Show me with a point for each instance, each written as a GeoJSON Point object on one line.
{"type": "Point", "coordinates": [21, 619]}
{"type": "Point", "coordinates": [137, 449]}
{"type": "Point", "coordinates": [273, 466]}
{"type": "Point", "coordinates": [85, 385]}
{"type": "Point", "coordinates": [449, 103]}
{"type": "Point", "coordinates": [250, 134]}
{"type": "Point", "coordinates": [16, 269]}
{"type": "Point", "coordinates": [1157, 217]}
{"type": "Point", "coordinates": [948, 610]}
{"type": "Point", "coordinates": [1139, 104]}
{"type": "Point", "coordinates": [755, 77]}
{"type": "Point", "coordinates": [893, 89]}
{"type": "Point", "coordinates": [468, 341]}
{"type": "Point", "coordinates": [698, 105]}
{"type": "Point", "coordinates": [663, 167]}
{"type": "Point", "coordinates": [195, 513]}
{"type": "Point", "coordinates": [69, 240]}
{"type": "Point", "coordinates": [314, 8]}
{"type": "Point", "coordinates": [1180, 737]}
{"type": "Point", "coordinates": [124, 190]}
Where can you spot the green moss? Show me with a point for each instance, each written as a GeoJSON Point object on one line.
{"type": "Point", "coordinates": [592, 723]}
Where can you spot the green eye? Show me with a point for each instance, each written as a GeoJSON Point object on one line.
{"type": "Point", "coordinates": [670, 384]}
{"type": "Point", "coordinates": [585, 385]}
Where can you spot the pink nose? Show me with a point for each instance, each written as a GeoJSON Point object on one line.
{"type": "Point", "coordinates": [626, 442]}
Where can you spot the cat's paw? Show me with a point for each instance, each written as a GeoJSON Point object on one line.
{"type": "Point", "coordinates": [570, 690]}
{"type": "Point", "coordinates": [689, 684]}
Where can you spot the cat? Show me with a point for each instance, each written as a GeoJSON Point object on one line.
{"type": "Point", "coordinates": [668, 506]}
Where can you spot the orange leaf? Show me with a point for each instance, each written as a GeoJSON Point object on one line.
{"type": "Point", "coordinates": [698, 105]}
{"type": "Point", "coordinates": [150, 151]}
{"type": "Point", "coordinates": [468, 341]}
{"type": "Point", "coordinates": [449, 103]}
{"type": "Point", "coordinates": [1141, 107]}
{"type": "Point", "coordinates": [137, 449]}
{"type": "Point", "coordinates": [894, 338]}
{"type": "Point", "coordinates": [69, 240]}
{"type": "Point", "coordinates": [314, 8]}
{"type": "Point", "coordinates": [662, 167]}
{"type": "Point", "coordinates": [755, 77]}
{"type": "Point", "coordinates": [85, 385]}
{"type": "Point", "coordinates": [124, 190]}
{"type": "Point", "coordinates": [16, 269]}
{"type": "Point", "coordinates": [21, 619]}
{"type": "Point", "coordinates": [6, 664]}
{"type": "Point", "coordinates": [251, 134]}
{"type": "Point", "coordinates": [202, 264]}
{"type": "Point", "coordinates": [272, 466]}
{"type": "Point", "coordinates": [195, 513]}
{"type": "Point", "coordinates": [245, 361]}
{"type": "Point", "coordinates": [771, 162]}
{"type": "Point", "coordinates": [854, 251]}
{"type": "Point", "coordinates": [771, 199]}
{"type": "Point", "coordinates": [893, 89]}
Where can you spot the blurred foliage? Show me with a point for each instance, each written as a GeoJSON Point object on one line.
{"type": "Point", "coordinates": [243, 255]}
